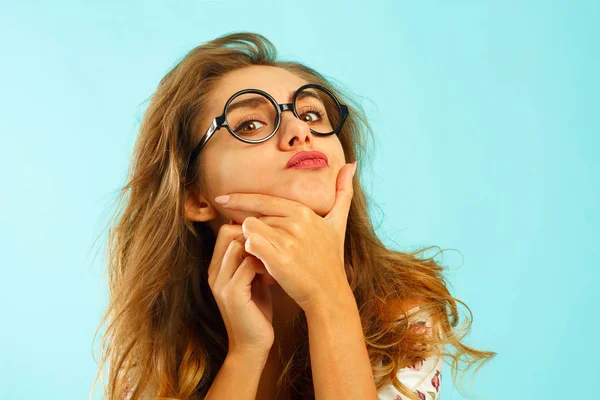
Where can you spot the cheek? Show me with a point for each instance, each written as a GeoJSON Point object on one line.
{"type": "Point", "coordinates": [337, 152]}
{"type": "Point", "coordinates": [217, 173]}
{"type": "Point", "coordinates": [231, 172]}
{"type": "Point", "coordinates": [337, 162]}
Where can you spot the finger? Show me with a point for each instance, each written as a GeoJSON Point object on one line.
{"type": "Point", "coordinates": [343, 198]}
{"type": "Point", "coordinates": [252, 225]}
{"type": "Point", "coordinates": [263, 204]}
{"type": "Point", "coordinates": [267, 279]}
{"type": "Point", "coordinates": [262, 272]}
{"type": "Point", "coordinates": [227, 233]}
{"type": "Point", "coordinates": [274, 222]}
{"type": "Point", "coordinates": [232, 259]}
{"type": "Point", "coordinates": [245, 274]}
{"type": "Point", "coordinates": [262, 249]}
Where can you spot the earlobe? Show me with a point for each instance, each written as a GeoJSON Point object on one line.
{"type": "Point", "coordinates": [197, 208]}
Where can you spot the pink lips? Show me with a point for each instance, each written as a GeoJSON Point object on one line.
{"type": "Point", "coordinates": [307, 160]}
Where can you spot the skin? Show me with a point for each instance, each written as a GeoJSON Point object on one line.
{"type": "Point", "coordinates": [232, 166]}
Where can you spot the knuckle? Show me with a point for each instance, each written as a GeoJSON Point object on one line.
{"type": "Point", "coordinates": [294, 227]}
{"type": "Point", "coordinates": [289, 244]}
{"type": "Point", "coordinates": [246, 263]}
{"type": "Point", "coordinates": [251, 241]}
{"type": "Point", "coordinates": [304, 213]}
{"type": "Point", "coordinates": [229, 230]}
{"type": "Point", "coordinates": [237, 245]}
{"type": "Point", "coordinates": [225, 229]}
{"type": "Point", "coordinates": [284, 259]}
{"type": "Point", "coordinates": [222, 295]}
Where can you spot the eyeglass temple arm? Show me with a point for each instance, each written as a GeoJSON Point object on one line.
{"type": "Point", "coordinates": [211, 130]}
{"type": "Point", "coordinates": [345, 110]}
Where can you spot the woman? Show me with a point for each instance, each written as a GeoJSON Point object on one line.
{"type": "Point", "coordinates": [215, 300]}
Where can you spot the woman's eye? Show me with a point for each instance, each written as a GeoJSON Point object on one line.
{"type": "Point", "coordinates": [252, 125]}
{"type": "Point", "coordinates": [312, 119]}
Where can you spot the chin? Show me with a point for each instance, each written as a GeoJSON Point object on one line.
{"type": "Point", "coordinates": [318, 203]}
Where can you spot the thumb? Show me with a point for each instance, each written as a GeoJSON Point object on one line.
{"type": "Point", "coordinates": [343, 197]}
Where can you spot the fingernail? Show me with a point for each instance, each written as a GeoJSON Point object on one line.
{"type": "Point", "coordinates": [222, 199]}
{"type": "Point", "coordinates": [354, 170]}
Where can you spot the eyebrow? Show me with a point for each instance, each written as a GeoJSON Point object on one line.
{"type": "Point", "coordinates": [254, 102]}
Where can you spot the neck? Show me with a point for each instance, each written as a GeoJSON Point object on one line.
{"type": "Point", "coordinates": [284, 310]}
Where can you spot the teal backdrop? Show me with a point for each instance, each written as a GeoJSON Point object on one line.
{"type": "Point", "coordinates": [486, 143]}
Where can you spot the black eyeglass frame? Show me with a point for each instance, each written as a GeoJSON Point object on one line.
{"type": "Point", "coordinates": [219, 122]}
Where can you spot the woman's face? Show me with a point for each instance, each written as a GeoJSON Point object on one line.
{"type": "Point", "coordinates": [232, 166]}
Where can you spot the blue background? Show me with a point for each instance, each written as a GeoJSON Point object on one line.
{"type": "Point", "coordinates": [487, 142]}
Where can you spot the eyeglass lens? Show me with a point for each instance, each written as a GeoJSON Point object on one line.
{"type": "Point", "coordinates": [253, 116]}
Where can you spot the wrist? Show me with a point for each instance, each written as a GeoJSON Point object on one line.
{"type": "Point", "coordinates": [336, 304]}
{"type": "Point", "coordinates": [249, 356]}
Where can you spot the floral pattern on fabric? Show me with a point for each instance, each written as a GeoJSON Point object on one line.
{"type": "Point", "coordinates": [128, 391]}
{"type": "Point", "coordinates": [423, 378]}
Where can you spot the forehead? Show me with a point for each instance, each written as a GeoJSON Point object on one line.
{"type": "Point", "coordinates": [278, 82]}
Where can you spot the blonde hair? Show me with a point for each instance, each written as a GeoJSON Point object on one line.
{"type": "Point", "coordinates": [165, 338]}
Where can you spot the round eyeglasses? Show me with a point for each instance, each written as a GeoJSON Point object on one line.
{"type": "Point", "coordinates": [254, 116]}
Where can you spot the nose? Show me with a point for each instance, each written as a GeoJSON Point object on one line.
{"type": "Point", "coordinates": [293, 131]}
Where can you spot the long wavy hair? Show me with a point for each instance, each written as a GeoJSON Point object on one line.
{"type": "Point", "coordinates": [165, 337]}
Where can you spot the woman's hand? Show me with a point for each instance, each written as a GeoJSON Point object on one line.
{"type": "Point", "coordinates": [244, 302]}
{"type": "Point", "coordinates": [301, 250]}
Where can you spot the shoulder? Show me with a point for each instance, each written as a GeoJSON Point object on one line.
{"type": "Point", "coordinates": [412, 308]}
{"type": "Point", "coordinates": [424, 377]}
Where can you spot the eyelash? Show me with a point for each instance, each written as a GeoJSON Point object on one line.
{"type": "Point", "coordinates": [242, 122]}
{"type": "Point", "coordinates": [311, 109]}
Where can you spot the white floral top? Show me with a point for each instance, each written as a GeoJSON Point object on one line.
{"type": "Point", "coordinates": [423, 378]}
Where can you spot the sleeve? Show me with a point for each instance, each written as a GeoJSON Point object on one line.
{"type": "Point", "coordinates": [128, 391]}
{"type": "Point", "coordinates": [423, 378]}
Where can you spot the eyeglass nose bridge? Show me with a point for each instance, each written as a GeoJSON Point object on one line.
{"type": "Point", "coordinates": [285, 107]}
{"type": "Point", "coordinates": [288, 107]}
{"type": "Point", "coordinates": [281, 108]}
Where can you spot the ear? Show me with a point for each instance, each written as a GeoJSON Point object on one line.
{"type": "Point", "coordinates": [197, 208]}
